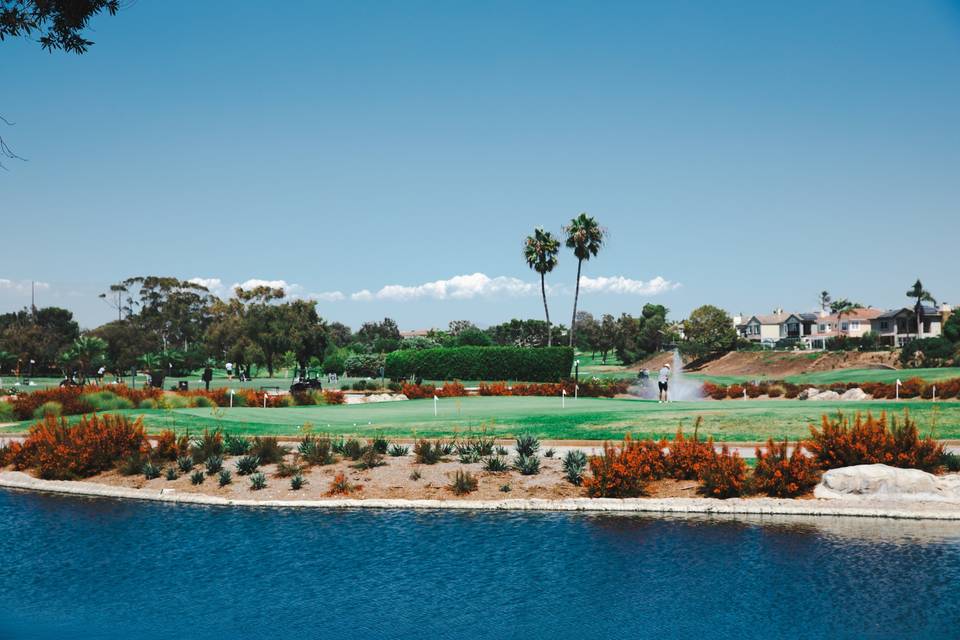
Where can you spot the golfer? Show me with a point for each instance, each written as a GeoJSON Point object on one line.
{"type": "Point", "coordinates": [663, 380]}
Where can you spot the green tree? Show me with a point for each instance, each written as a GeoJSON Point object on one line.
{"type": "Point", "coordinates": [708, 331]}
{"type": "Point", "coordinates": [951, 328]}
{"type": "Point", "coordinates": [125, 343]}
{"type": "Point", "coordinates": [586, 238]}
{"type": "Point", "coordinates": [843, 307]}
{"type": "Point", "coordinates": [588, 332]}
{"type": "Point", "coordinates": [921, 295]}
{"type": "Point", "coordinates": [540, 252]}
{"type": "Point", "coordinates": [607, 335]}
{"type": "Point", "coordinates": [7, 359]}
{"type": "Point", "coordinates": [84, 353]}
{"type": "Point", "coordinates": [38, 334]}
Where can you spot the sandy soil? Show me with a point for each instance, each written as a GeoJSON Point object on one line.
{"type": "Point", "coordinates": [392, 480]}
{"type": "Point", "coordinates": [781, 364]}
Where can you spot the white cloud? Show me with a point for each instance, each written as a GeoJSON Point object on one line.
{"type": "Point", "coordinates": [327, 296]}
{"type": "Point", "coordinates": [361, 296]}
{"type": "Point", "coordinates": [620, 284]}
{"type": "Point", "coordinates": [462, 287]}
{"type": "Point", "coordinates": [21, 286]}
{"type": "Point", "coordinates": [214, 285]}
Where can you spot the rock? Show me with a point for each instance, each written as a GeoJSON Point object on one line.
{"type": "Point", "coordinates": [888, 483]}
{"type": "Point", "coordinates": [854, 394]}
{"type": "Point", "coordinates": [808, 393]}
{"type": "Point", "coordinates": [826, 395]}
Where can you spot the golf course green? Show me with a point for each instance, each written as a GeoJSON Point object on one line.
{"type": "Point", "coordinates": [580, 419]}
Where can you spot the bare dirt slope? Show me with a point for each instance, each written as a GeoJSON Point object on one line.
{"type": "Point", "coordinates": [779, 364]}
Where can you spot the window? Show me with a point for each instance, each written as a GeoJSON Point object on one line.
{"type": "Point", "coordinates": [855, 325]}
{"type": "Point", "coordinates": [822, 328]}
{"type": "Point", "coordinates": [884, 325]}
{"type": "Point", "coordinates": [844, 326]}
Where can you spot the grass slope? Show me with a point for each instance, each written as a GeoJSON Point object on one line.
{"type": "Point", "coordinates": [845, 375]}
{"type": "Point", "coordinates": [585, 418]}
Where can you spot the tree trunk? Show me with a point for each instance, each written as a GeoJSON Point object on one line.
{"type": "Point", "coordinates": [917, 309]}
{"type": "Point", "coordinates": [543, 292]}
{"type": "Point", "coordinates": [576, 297]}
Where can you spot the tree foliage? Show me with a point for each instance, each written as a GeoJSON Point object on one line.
{"type": "Point", "coordinates": [708, 331]}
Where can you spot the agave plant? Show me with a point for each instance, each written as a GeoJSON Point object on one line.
{"type": "Point", "coordinates": [214, 464]}
{"type": "Point", "coordinates": [495, 464]}
{"type": "Point", "coordinates": [527, 444]}
{"type": "Point", "coordinates": [316, 450]}
{"type": "Point", "coordinates": [247, 465]}
{"type": "Point", "coordinates": [353, 449]}
{"type": "Point", "coordinates": [370, 458]}
{"type": "Point", "coordinates": [574, 464]}
{"type": "Point", "coordinates": [415, 475]}
{"type": "Point", "coordinates": [258, 481]}
{"type": "Point", "coordinates": [208, 445]}
{"type": "Point", "coordinates": [297, 482]}
{"type": "Point", "coordinates": [500, 450]}
{"type": "Point", "coordinates": [398, 451]}
{"type": "Point", "coordinates": [225, 477]}
{"type": "Point", "coordinates": [171, 473]}
{"type": "Point", "coordinates": [463, 483]}
{"type": "Point", "coordinates": [527, 465]}
{"type": "Point", "coordinates": [549, 453]}
{"type": "Point", "coordinates": [150, 471]}
{"type": "Point", "coordinates": [469, 456]}
{"type": "Point", "coordinates": [379, 444]}
{"type": "Point", "coordinates": [197, 477]}
{"type": "Point", "coordinates": [236, 445]}
{"type": "Point", "coordinates": [185, 463]}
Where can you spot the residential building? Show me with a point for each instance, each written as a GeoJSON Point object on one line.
{"type": "Point", "coordinates": [852, 325]}
{"type": "Point", "coordinates": [899, 326]}
{"type": "Point", "coordinates": [771, 329]}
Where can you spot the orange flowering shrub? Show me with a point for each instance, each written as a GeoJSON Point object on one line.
{"type": "Point", "coordinates": [782, 476]}
{"type": "Point", "coordinates": [837, 443]}
{"type": "Point", "coordinates": [623, 472]}
{"type": "Point", "coordinates": [724, 475]}
{"type": "Point", "coordinates": [734, 391]}
{"type": "Point", "coordinates": [417, 391]}
{"type": "Point", "coordinates": [341, 486]}
{"type": "Point", "coordinates": [687, 458]}
{"type": "Point", "coordinates": [451, 390]}
{"type": "Point", "coordinates": [334, 397]}
{"type": "Point", "coordinates": [753, 390]}
{"type": "Point", "coordinates": [70, 398]}
{"type": "Point", "coordinates": [494, 389]}
{"type": "Point", "coordinates": [167, 446]}
{"type": "Point", "coordinates": [911, 388]}
{"type": "Point", "coordinates": [60, 451]}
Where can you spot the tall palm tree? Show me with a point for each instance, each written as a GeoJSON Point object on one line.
{"type": "Point", "coordinates": [843, 307]}
{"type": "Point", "coordinates": [84, 351]}
{"type": "Point", "coordinates": [540, 251]}
{"type": "Point", "coordinates": [585, 237]}
{"type": "Point", "coordinates": [922, 295]}
{"type": "Point", "coordinates": [825, 300]}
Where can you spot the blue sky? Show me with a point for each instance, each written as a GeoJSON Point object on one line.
{"type": "Point", "coordinates": [742, 154]}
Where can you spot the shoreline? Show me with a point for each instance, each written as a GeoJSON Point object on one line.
{"type": "Point", "coordinates": [857, 508]}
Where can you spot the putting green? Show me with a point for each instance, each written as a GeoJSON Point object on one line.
{"type": "Point", "coordinates": [584, 418]}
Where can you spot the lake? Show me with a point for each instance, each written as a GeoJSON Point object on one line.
{"type": "Point", "coordinates": [98, 568]}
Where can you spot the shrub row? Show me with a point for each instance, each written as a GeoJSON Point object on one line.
{"type": "Point", "coordinates": [482, 363]}
{"type": "Point", "coordinates": [909, 388]}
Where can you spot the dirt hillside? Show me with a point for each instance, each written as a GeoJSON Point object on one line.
{"type": "Point", "coordinates": [779, 364]}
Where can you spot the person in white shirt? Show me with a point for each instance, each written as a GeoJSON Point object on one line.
{"type": "Point", "coordinates": [663, 381]}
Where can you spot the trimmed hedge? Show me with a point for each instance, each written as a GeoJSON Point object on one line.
{"type": "Point", "coordinates": [482, 363]}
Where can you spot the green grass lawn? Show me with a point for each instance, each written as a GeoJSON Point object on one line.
{"type": "Point", "coordinates": [585, 418]}
{"type": "Point", "coordinates": [845, 375]}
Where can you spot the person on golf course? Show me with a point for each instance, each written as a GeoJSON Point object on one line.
{"type": "Point", "coordinates": [663, 380]}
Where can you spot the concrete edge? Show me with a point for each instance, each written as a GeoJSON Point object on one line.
{"type": "Point", "coordinates": [735, 506]}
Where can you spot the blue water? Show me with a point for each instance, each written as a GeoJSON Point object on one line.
{"type": "Point", "coordinates": [73, 568]}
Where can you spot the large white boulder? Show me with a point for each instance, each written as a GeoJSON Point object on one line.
{"type": "Point", "coordinates": [885, 482]}
{"type": "Point", "coordinates": [826, 395]}
{"type": "Point", "coordinates": [854, 394]}
{"type": "Point", "coordinates": [808, 393]}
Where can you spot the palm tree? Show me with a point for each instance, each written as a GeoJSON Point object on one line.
{"type": "Point", "coordinates": [825, 300]}
{"type": "Point", "coordinates": [585, 237]}
{"type": "Point", "coordinates": [922, 295]}
{"type": "Point", "coordinates": [843, 307]}
{"type": "Point", "coordinates": [85, 350]}
{"type": "Point", "coordinates": [540, 251]}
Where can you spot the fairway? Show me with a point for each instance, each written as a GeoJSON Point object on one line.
{"type": "Point", "coordinates": [582, 419]}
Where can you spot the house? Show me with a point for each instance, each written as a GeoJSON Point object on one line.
{"type": "Point", "coordinates": [770, 329]}
{"type": "Point", "coordinates": [852, 325]}
{"type": "Point", "coordinates": [899, 326]}
{"type": "Point", "coordinates": [415, 333]}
